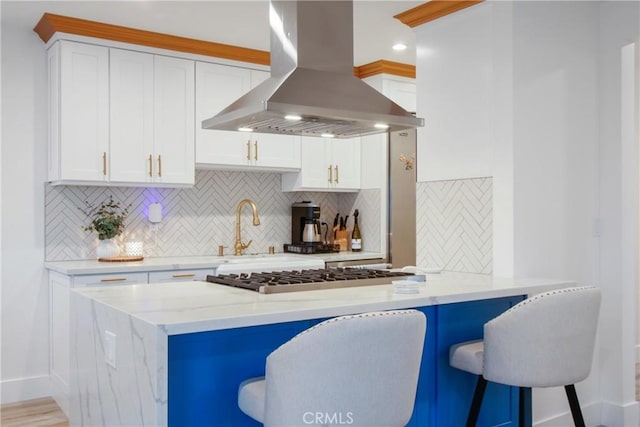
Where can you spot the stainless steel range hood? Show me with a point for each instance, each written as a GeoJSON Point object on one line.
{"type": "Point", "coordinates": [312, 90]}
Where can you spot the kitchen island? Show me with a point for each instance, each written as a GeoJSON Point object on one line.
{"type": "Point", "coordinates": [176, 353]}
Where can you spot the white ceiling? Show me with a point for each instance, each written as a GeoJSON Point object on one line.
{"type": "Point", "coordinates": [240, 22]}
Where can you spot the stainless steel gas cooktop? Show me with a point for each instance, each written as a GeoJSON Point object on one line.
{"type": "Point", "coordinates": [307, 280]}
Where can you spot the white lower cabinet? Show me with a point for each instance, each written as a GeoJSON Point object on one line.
{"type": "Point", "coordinates": [326, 165]}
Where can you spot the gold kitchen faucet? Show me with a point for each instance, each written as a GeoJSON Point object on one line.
{"type": "Point", "coordinates": [239, 246]}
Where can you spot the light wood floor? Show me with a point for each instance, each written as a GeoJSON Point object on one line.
{"type": "Point", "coordinates": [33, 413]}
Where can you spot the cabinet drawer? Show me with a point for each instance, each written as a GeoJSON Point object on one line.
{"type": "Point", "coordinates": [179, 275]}
{"type": "Point", "coordinates": [110, 279]}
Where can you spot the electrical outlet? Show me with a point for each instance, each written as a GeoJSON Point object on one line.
{"type": "Point", "coordinates": [110, 348]}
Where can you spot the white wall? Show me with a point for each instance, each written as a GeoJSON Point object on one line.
{"type": "Point", "coordinates": [618, 191]}
{"type": "Point", "coordinates": [533, 117]}
{"type": "Point", "coordinates": [25, 355]}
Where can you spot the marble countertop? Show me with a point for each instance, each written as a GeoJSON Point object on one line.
{"type": "Point", "coordinates": [80, 267]}
{"type": "Point", "coordinates": [187, 307]}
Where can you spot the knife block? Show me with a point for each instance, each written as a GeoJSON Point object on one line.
{"type": "Point", "coordinates": [342, 239]}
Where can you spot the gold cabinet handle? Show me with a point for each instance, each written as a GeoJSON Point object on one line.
{"type": "Point", "coordinates": [150, 165]}
{"type": "Point", "coordinates": [336, 168]}
{"type": "Point", "coordinates": [249, 150]}
{"type": "Point", "coordinates": [159, 166]}
{"type": "Point", "coordinates": [104, 163]}
{"type": "Point", "coordinates": [184, 275]}
{"type": "Point", "coordinates": [330, 174]}
{"type": "Point", "coordinates": [114, 279]}
{"type": "Point", "coordinates": [255, 156]}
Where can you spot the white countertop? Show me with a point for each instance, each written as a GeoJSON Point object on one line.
{"type": "Point", "coordinates": [80, 267]}
{"type": "Point", "coordinates": [186, 307]}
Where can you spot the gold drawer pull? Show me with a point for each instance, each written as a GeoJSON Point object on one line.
{"type": "Point", "coordinates": [249, 150]}
{"type": "Point", "coordinates": [150, 165]}
{"type": "Point", "coordinates": [336, 168]}
{"type": "Point", "coordinates": [104, 163]}
{"type": "Point", "coordinates": [114, 279]}
{"type": "Point", "coordinates": [256, 149]}
{"type": "Point", "coordinates": [330, 174]}
{"type": "Point", "coordinates": [184, 275]}
{"type": "Point", "coordinates": [159, 166]}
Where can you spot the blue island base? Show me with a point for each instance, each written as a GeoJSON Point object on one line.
{"type": "Point", "coordinates": [206, 368]}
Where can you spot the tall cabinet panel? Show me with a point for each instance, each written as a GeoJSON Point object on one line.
{"type": "Point", "coordinates": [131, 121]}
{"type": "Point", "coordinates": [80, 117]}
{"type": "Point", "coordinates": [173, 120]}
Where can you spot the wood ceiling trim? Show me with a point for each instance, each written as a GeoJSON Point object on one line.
{"type": "Point", "coordinates": [385, 67]}
{"type": "Point", "coordinates": [50, 24]}
{"type": "Point", "coordinates": [433, 10]}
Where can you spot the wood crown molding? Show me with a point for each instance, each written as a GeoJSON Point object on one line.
{"type": "Point", "coordinates": [50, 23]}
{"type": "Point", "coordinates": [385, 67]}
{"type": "Point", "coordinates": [433, 10]}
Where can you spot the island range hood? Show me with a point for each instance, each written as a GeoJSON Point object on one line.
{"type": "Point", "coordinates": [312, 90]}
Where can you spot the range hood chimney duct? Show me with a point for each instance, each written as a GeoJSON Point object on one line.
{"type": "Point", "coordinates": [312, 90]}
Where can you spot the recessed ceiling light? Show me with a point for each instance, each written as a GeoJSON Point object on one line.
{"type": "Point", "coordinates": [245, 129]}
{"type": "Point", "coordinates": [292, 117]}
{"type": "Point", "coordinates": [399, 46]}
{"type": "Point", "coordinates": [327, 135]}
{"type": "Point", "coordinates": [381, 126]}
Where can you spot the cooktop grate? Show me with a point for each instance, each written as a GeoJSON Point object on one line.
{"type": "Point", "coordinates": [306, 280]}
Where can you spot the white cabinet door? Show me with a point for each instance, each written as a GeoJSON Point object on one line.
{"type": "Point", "coordinates": [217, 86]}
{"type": "Point", "coordinates": [80, 120]}
{"type": "Point", "coordinates": [345, 159]}
{"type": "Point", "coordinates": [275, 151]}
{"type": "Point", "coordinates": [326, 165]}
{"type": "Point", "coordinates": [315, 168]}
{"type": "Point", "coordinates": [173, 157]}
{"type": "Point", "coordinates": [131, 116]}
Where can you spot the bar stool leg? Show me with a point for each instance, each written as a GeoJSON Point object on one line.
{"type": "Point", "coordinates": [478, 394]}
{"type": "Point", "coordinates": [576, 412]}
{"type": "Point", "coordinates": [524, 406]}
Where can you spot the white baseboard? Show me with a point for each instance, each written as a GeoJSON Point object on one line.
{"type": "Point", "coordinates": [598, 414]}
{"type": "Point", "coordinates": [591, 413]}
{"type": "Point", "coordinates": [615, 415]}
{"type": "Point", "coordinates": [638, 353]}
{"type": "Point", "coordinates": [20, 389]}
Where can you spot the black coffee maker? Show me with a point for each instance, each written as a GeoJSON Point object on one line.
{"type": "Point", "coordinates": [305, 224]}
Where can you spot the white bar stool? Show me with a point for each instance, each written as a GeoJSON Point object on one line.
{"type": "Point", "coordinates": [360, 370]}
{"type": "Point", "coordinates": [544, 341]}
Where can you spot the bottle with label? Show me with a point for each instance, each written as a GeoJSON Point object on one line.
{"type": "Point", "coordinates": [356, 237]}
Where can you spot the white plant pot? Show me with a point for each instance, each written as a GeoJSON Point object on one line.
{"type": "Point", "coordinates": [107, 249]}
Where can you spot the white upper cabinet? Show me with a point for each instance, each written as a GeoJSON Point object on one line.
{"type": "Point", "coordinates": [174, 124]}
{"type": "Point", "coordinates": [152, 119]}
{"type": "Point", "coordinates": [120, 117]}
{"type": "Point", "coordinates": [78, 112]}
{"type": "Point", "coordinates": [131, 116]}
{"type": "Point", "coordinates": [327, 165]}
{"type": "Point", "coordinates": [217, 86]}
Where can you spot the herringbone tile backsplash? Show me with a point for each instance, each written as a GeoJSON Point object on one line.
{"type": "Point", "coordinates": [196, 220]}
{"type": "Point", "coordinates": [455, 225]}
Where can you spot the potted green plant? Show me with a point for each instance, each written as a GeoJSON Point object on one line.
{"type": "Point", "coordinates": [107, 219]}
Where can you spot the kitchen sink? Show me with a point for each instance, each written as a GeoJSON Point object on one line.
{"type": "Point", "coordinates": [265, 263]}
